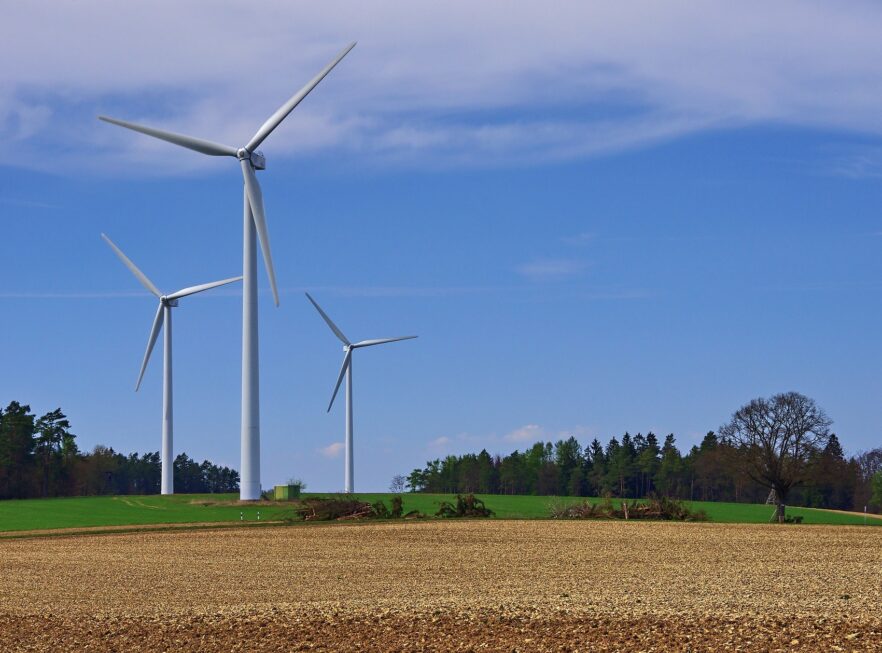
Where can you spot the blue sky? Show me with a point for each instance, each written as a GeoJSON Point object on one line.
{"type": "Point", "coordinates": [596, 219]}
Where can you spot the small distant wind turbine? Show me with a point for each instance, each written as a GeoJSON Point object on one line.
{"type": "Point", "coordinates": [250, 159]}
{"type": "Point", "coordinates": [163, 316]}
{"type": "Point", "coordinates": [346, 369]}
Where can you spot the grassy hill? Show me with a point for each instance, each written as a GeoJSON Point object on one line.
{"type": "Point", "coordinates": [81, 512]}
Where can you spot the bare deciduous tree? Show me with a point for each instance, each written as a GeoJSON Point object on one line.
{"type": "Point", "coordinates": [398, 483]}
{"type": "Point", "coordinates": [775, 439]}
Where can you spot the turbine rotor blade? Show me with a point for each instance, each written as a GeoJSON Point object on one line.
{"type": "Point", "coordinates": [154, 333]}
{"type": "Point", "coordinates": [192, 290]}
{"type": "Point", "coordinates": [381, 341]}
{"type": "Point", "coordinates": [198, 144]}
{"type": "Point", "coordinates": [140, 276]}
{"type": "Point", "coordinates": [255, 199]}
{"type": "Point", "coordinates": [328, 320]}
{"type": "Point", "coordinates": [346, 360]}
{"type": "Point", "coordinates": [273, 121]}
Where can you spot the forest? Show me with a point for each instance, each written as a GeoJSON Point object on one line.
{"type": "Point", "coordinates": [635, 466]}
{"type": "Point", "coordinates": [39, 457]}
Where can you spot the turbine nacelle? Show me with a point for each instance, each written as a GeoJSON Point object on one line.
{"type": "Point", "coordinates": [171, 303]}
{"type": "Point", "coordinates": [258, 161]}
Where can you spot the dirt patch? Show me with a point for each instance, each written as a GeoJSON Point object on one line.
{"type": "Point", "coordinates": [869, 515]}
{"type": "Point", "coordinates": [125, 528]}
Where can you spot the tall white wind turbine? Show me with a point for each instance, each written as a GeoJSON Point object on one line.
{"type": "Point", "coordinates": [250, 159]}
{"type": "Point", "coordinates": [163, 317]}
{"type": "Point", "coordinates": [346, 370]}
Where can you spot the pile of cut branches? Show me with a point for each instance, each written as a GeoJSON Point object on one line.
{"type": "Point", "coordinates": [340, 508]}
{"type": "Point", "coordinates": [655, 507]}
{"type": "Point", "coordinates": [333, 508]}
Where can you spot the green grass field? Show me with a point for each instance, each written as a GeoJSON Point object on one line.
{"type": "Point", "coordinates": [81, 512]}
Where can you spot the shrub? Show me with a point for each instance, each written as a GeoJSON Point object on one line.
{"type": "Point", "coordinates": [379, 510]}
{"type": "Point", "coordinates": [466, 506]}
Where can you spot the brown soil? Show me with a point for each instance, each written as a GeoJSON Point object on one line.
{"type": "Point", "coordinates": [130, 528]}
{"type": "Point", "coordinates": [441, 586]}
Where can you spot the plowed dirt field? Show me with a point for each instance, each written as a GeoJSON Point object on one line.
{"type": "Point", "coordinates": [448, 586]}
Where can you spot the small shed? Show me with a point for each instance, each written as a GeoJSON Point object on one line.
{"type": "Point", "coordinates": [286, 492]}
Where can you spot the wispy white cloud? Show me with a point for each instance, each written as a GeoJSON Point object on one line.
{"type": "Point", "coordinates": [550, 269]}
{"type": "Point", "coordinates": [858, 163]}
{"type": "Point", "coordinates": [28, 204]}
{"type": "Point", "coordinates": [425, 83]}
{"type": "Point", "coordinates": [526, 433]}
{"type": "Point", "coordinates": [521, 437]}
{"type": "Point", "coordinates": [332, 450]}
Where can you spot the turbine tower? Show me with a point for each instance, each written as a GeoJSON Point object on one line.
{"type": "Point", "coordinates": [163, 316]}
{"type": "Point", "coordinates": [346, 369]}
{"type": "Point", "coordinates": [250, 159]}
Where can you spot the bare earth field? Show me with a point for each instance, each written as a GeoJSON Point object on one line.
{"type": "Point", "coordinates": [448, 586]}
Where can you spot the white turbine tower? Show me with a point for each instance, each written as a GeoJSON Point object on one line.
{"type": "Point", "coordinates": [163, 316]}
{"type": "Point", "coordinates": [346, 369]}
{"type": "Point", "coordinates": [250, 160]}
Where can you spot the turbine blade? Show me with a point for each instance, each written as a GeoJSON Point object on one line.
{"type": "Point", "coordinates": [255, 199]}
{"type": "Point", "coordinates": [192, 290]}
{"type": "Point", "coordinates": [154, 333]}
{"type": "Point", "coordinates": [346, 360]}
{"type": "Point", "coordinates": [198, 144]}
{"type": "Point", "coordinates": [140, 276]}
{"type": "Point", "coordinates": [381, 341]}
{"type": "Point", "coordinates": [273, 121]}
{"type": "Point", "coordinates": [328, 320]}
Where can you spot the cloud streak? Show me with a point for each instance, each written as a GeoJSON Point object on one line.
{"type": "Point", "coordinates": [332, 450]}
{"type": "Point", "coordinates": [425, 84]}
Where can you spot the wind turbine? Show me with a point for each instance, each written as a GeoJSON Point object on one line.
{"type": "Point", "coordinates": [346, 369]}
{"type": "Point", "coordinates": [163, 316]}
{"type": "Point", "coordinates": [250, 159]}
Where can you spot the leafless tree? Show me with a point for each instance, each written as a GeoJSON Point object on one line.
{"type": "Point", "coordinates": [776, 438]}
{"type": "Point", "coordinates": [398, 483]}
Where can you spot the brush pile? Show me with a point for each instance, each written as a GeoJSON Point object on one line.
{"type": "Point", "coordinates": [345, 507]}
{"type": "Point", "coordinates": [656, 507]}
{"type": "Point", "coordinates": [333, 508]}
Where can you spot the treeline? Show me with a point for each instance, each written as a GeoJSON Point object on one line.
{"type": "Point", "coordinates": [636, 466]}
{"type": "Point", "coordinates": [39, 457]}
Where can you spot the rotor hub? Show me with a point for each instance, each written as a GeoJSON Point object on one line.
{"type": "Point", "coordinates": [258, 162]}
